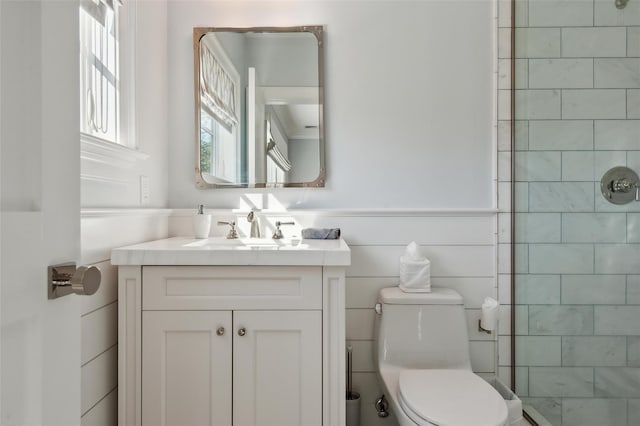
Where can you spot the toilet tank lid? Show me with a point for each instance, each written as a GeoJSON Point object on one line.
{"type": "Point", "coordinates": [437, 296]}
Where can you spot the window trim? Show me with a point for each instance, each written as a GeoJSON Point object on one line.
{"type": "Point", "coordinates": [125, 153]}
{"type": "Point", "coordinates": [102, 151]}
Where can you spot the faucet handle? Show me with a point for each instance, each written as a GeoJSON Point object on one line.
{"type": "Point", "coordinates": [277, 234]}
{"type": "Point", "coordinates": [233, 234]}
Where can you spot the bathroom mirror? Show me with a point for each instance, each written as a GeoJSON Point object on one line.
{"type": "Point", "coordinates": [259, 107]}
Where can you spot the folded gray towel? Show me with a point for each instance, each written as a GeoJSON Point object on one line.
{"type": "Point", "coordinates": [321, 233]}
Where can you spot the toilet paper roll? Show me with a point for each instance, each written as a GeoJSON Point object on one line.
{"type": "Point", "coordinates": [489, 318]}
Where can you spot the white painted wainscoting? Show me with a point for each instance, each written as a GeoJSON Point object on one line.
{"type": "Point", "coordinates": [461, 245]}
{"type": "Point", "coordinates": [102, 230]}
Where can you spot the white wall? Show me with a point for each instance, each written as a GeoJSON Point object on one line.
{"type": "Point", "coordinates": [409, 101]}
{"type": "Point", "coordinates": [304, 154]}
{"type": "Point", "coordinates": [110, 194]}
{"type": "Point", "coordinates": [114, 181]}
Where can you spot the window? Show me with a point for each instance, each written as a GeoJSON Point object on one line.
{"type": "Point", "coordinates": [218, 151]}
{"type": "Point", "coordinates": [99, 72]}
{"type": "Point", "coordinates": [278, 164]}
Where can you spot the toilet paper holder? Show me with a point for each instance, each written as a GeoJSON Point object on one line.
{"type": "Point", "coordinates": [481, 329]}
{"type": "Point", "coordinates": [66, 278]}
{"type": "Point", "coordinates": [488, 321]}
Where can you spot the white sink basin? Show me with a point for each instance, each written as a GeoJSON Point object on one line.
{"type": "Point", "coordinates": [242, 243]}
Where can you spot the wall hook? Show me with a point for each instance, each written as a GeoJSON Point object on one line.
{"type": "Point", "coordinates": [66, 279]}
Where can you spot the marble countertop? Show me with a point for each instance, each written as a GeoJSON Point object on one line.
{"type": "Point", "coordinates": [243, 251]}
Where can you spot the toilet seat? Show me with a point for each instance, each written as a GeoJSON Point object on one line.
{"type": "Point", "coordinates": [450, 398]}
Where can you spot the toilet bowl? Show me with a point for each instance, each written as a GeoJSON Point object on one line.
{"type": "Point", "coordinates": [422, 358]}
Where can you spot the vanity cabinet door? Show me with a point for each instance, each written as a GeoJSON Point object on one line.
{"type": "Point", "coordinates": [186, 368]}
{"type": "Point", "coordinates": [277, 366]}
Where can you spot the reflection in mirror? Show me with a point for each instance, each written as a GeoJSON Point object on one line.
{"type": "Point", "coordinates": [259, 107]}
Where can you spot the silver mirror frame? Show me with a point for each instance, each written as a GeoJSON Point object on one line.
{"type": "Point", "coordinates": [317, 31]}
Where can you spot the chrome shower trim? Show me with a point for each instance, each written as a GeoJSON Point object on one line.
{"type": "Point", "coordinates": [512, 178]}
{"type": "Point", "coordinates": [621, 4]}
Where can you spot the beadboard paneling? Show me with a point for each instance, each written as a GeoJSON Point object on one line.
{"type": "Point", "coordinates": [446, 261]}
{"type": "Point", "coordinates": [104, 413]}
{"type": "Point", "coordinates": [390, 230]}
{"type": "Point", "coordinates": [362, 292]}
{"type": "Point", "coordinates": [99, 378]}
{"type": "Point", "coordinates": [426, 227]}
{"type": "Point", "coordinates": [103, 230]}
{"type": "Point", "coordinates": [463, 257]}
{"type": "Point", "coordinates": [460, 244]}
{"type": "Point", "coordinates": [99, 331]}
{"type": "Point", "coordinates": [366, 384]}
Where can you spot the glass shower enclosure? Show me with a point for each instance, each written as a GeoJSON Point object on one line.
{"type": "Point", "coordinates": [575, 221]}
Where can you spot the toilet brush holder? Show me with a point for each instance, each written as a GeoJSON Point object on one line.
{"type": "Point", "coordinates": [353, 409]}
{"type": "Point", "coordinates": [353, 398]}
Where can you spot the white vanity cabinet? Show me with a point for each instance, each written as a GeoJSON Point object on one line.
{"type": "Point", "coordinates": [186, 374]}
{"type": "Point", "coordinates": [210, 356]}
{"type": "Point", "coordinates": [231, 344]}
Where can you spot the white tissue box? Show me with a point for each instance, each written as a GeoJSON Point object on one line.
{"type": "Point", "coordinates": [415, 275]}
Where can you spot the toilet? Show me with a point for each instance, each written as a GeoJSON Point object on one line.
{"type": "Point", "coordinates": [422, 357]}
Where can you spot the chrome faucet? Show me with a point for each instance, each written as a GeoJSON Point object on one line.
{"type": "Point", "coordinates": [233, 234]}
{"type": "Point", "coordinates": [278, 233]}
{"type": "Point", "coordinates": [255, 225]}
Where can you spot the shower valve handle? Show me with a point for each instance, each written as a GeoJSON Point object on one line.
{"type": "Point", "coordinates": [618, 185]}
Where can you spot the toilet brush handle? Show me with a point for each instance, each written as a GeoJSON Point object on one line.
{"type": "Point", "coordinates": [349, 372]}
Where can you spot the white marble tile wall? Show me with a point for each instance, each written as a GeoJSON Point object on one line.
{"type": "Point", "coordinates": [560, 13]}
{"type": "Point", "coordinates": [577, 82]}
{"type": "Point", "coordinates": [558, 135]}
{"type": "Point", "coordinates": [633, 104]}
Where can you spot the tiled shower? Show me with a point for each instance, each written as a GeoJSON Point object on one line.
{"type": "Point", "coordinates": [577, 256]}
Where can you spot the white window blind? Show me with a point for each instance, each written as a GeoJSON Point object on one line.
{"type": "Point", "coordinates": [277, 156]}
{"type": "Point", "coordinates": [217, 89]}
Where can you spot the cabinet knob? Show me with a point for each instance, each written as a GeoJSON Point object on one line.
{"type": "Point", "coordinates": [242, 331]}
{"type": "Point", "coordinates": [220, 331]}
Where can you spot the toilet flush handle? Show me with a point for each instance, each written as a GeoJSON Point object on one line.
{"type": "Point", "coordinates": [378, 308]}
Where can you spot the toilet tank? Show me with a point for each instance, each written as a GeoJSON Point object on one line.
{"type": "Point", "coordinates": [422, 330]}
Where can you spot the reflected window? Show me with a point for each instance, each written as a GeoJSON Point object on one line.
{"type": "Point", "coordinates": [219, 123]}
{"type": "Point", "coordinates": [217, 148]}
{"type": "Point", "coordinates": [275, 172]}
